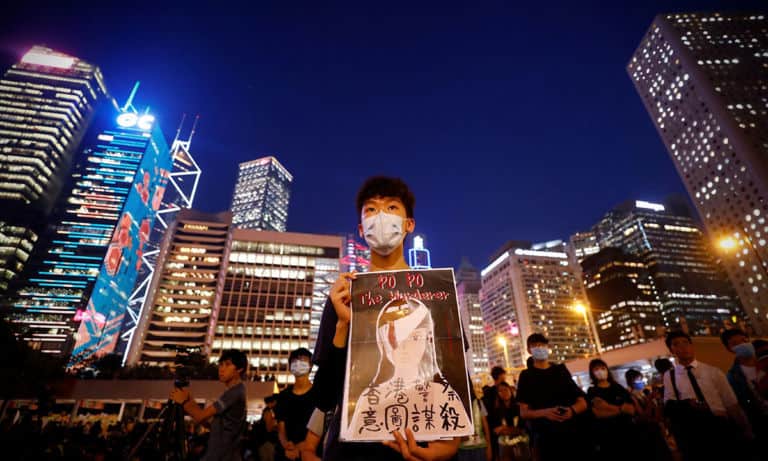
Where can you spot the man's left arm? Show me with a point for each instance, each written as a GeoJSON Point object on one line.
{"type": "Point", "coordinates": [730, 402]}
{"type": "Point", "coordinates": [439, 450]}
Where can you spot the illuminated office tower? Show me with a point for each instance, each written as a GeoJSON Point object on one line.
{"type": "Point", "coordinates": [418, 255]}
{"type": "Point", "coordinates": [275, 289]}
{"type": "Point", "coordinates": [702, 78]}
{"type": "Point", "coordinates": [262, 194]}
{"type": "Point", "coordinates": [357, 256]}
{"type": "Point", "coordinates": [85, 267]}
{"type": "Point", "coordinates": [47, 101]}
{"type": "Point", "coordinates": [533, 289]}
{"type": "Point", "coordinates": [693, 292]}
{"type": "Point", "coordinates": [179, 194]}
{"type": "Point", "coordinates": [582, 245]}
{"type": "Point", "coordinates": [468, 292]}
{"type": "Point", "coordinates": [185, 291]}
{"type": "Point", "coordinates": [622, 297]}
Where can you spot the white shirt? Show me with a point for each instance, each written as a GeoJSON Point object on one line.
{"type": "Point", "coordinates": [713, 383]}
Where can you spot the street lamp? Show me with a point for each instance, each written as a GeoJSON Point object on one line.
{"type": "Point", "coordinates": [590, 324]}
{"type": "Point", "coordinates": [503, 343]}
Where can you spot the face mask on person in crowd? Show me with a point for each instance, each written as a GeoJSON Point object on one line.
{"type": "Point", "coordinates": [744, 350]}
{"type": "Point", "coordinates": [383, 232]}
{"type": "Point", "coordinates": [540, 353]}
{"type": "Point", "coordinates": [601, 374]}
{"type": "Point", "coordinates": [638, 385]}
{"type": "Point", "coordinates": [300, 368]}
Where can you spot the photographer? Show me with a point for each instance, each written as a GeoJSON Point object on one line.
{"type": "Point", "coordinates": [227, 414]}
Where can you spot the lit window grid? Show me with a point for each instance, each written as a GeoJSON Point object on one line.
{"type": "Point", "coordinates": [702, 135]}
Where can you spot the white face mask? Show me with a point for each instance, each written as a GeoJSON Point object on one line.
{"type": "Point", "coordinates": [300, 368]}
{"type": "Point", "coordinates": [383, 232]}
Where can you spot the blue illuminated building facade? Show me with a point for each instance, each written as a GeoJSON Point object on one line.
{"type": "Point", "coordinates": [79, 282]}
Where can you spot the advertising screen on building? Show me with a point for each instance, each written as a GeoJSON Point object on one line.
{"type": "Point", "coordinates": [105, 310]}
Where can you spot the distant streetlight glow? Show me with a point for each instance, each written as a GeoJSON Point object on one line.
{"type": "Point", "coordinates": [727, 243]}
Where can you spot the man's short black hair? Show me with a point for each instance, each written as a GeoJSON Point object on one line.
{"type": "Point", "coordinates": [270, 399]}
{"type": "Point", "coordinates": [631, 375]}
{"type": "Point", "coordinates": [300, 352]}
{"type": "Point", "coordinates": [672, 335]}
{"type": "Point", "coordinates": [662, 365]}
{"type": "Point", "coordinates": [238, 358]}
{"type": "Point", "coordinates": [496, 372]}
{"type": "Point", "coordinates": [726, 335]}
{"type": "Point", "coordinates": [536, 338]}
{"type": "Point", "coordinates": [384, 186]}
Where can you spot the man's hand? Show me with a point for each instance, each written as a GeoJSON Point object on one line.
{"type": "Point", "coordinates": [180, 396]}
{"type": "Point", "coordinates": [341, 295]}
{"type": "Point", "coordinates": [438, 450]}
{"type": "Point", "coordinates": [553, 414]}
{"type": "Point", "coordinates": [291, 452]}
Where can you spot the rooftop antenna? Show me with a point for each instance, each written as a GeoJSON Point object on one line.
{"type": "Point", "coordinates": [129, 103]}
{"type": "Point", "coordinates": [192, 133]}
{"type": "Point", "coordinates": [178, 131]}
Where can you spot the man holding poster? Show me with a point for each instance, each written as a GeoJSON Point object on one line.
{"type": "Point", "coordinates": [386, 216]}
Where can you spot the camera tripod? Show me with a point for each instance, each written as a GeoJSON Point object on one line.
{"type": "Point", "coordinates": [170, 438]}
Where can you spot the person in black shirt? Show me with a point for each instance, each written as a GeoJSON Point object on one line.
{"type": "Point", "coordinates": [295, 405]}
{"type": "Point", "coordinates": [386, 207]}
{"type": "Point", "coordinates": [550, 402]}
{"type": "Point", "coordinates": [612, 407]}
{"type": "Point", "coordinates": [499, 375]}
{"type": "Point", "coordinates": [501, 417]}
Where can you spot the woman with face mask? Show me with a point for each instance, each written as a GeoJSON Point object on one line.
{"type": "Point", "coordinates": [612, 407]}
{"type": "Point", "coordinates": [295, 405]}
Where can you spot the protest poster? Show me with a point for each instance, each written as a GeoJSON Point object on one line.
{"type": "Point", "coordinates": [406, 365]}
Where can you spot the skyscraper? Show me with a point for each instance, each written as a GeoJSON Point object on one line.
{"type": "Point", "coordinates": [532, 289]}
{"type": "Point", "coordinates": [275, 289]}
{"type": "Point", "coordinates": [418, 255]}
{"type": "Point", "coordinates": [47, 101]}
{"type": "Point", "coordinates": [84, 269]}
{"type": "Point", "coordinates": [262, 194]}
{"type": "Point", "coordinates": [185, 291]}
{"type": "Point", "coordinates": [623, 297]}
{"type": "Point", "coordinates": [357, 256]}
{"type": "Point", "coordinates": [180, 194]}
{"type": "Point", "coordinates": [468, 285]}
{"type": "Point", "coordinates": [702, 78]}
{"type": "Point", "coordinates": [692, 291]}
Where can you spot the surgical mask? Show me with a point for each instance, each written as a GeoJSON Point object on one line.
{"type": "Point", "coordinates": [638, 385]}
{"type": "Point", "coordinates": [540, 353]}
{"type": "Point", "coordinates": [300, 368]}
{"type": "Point", "coordinates": [601, 374]}
{"type": "Point", "coordinates": [744, 350]}
{"type": "Point", "coordinates": [383, 232]}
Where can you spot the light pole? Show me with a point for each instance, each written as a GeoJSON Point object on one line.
{"type": "Point", "coordinates": [590, 324]}
{"type": "Point", "coordinates": [503, 343]}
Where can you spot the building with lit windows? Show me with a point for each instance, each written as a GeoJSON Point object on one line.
{"type": "Point", "coordinates": [532, 289]}
{"type": "Point", "coordinates": [275, 289]}
{"type": "Point", "coordinates": [85, 266]}
{"type": "Point", "coordinates": [582, 245]}
{"type": "Point", "coordinates": [262, 194]}
{"type": "Point", "coordinates": [693, 292]}
{"type": "Point", "coordinates": [622, 298]}
{"type": "Point", "coordinates": [418, 255]}
{"type": "Point", "coordinates": [702, 78]}
{"type": "Point", "coordinates": [357, 256]}
{"type": "Point", "coordinates": [468, 292]}
{"type": "Point", "coordinates": [47, 101]}
{"type": "Point", "coordinates": [185, 291]}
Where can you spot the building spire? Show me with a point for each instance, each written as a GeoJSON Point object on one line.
{"type": "Point", "coordinates": [129, 102]}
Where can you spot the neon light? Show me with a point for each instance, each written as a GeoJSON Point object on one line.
{"type": "Point", "coordinates": [493, 265]}
{"type": "Point", "coordinates": [59, 61]}
{"type": "Point", "coordinates": [649, 205]}
{"type": "Point", "coordinates": [418, 243]}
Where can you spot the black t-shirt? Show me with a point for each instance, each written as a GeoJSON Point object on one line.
{"type": "Point", "coordinates": [546, 388]}
{"type": "Point", "coordinates": [614, 395]}
{"type": "Point", "coordinates": [295, 411]}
